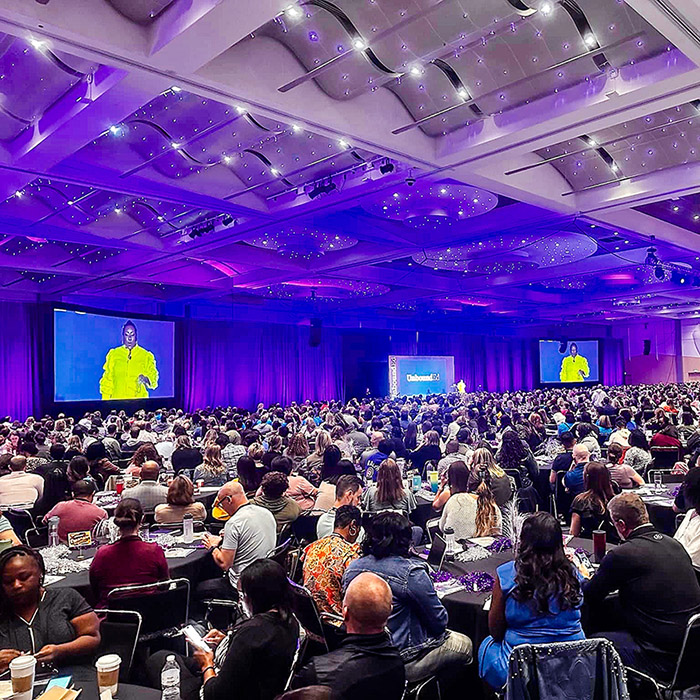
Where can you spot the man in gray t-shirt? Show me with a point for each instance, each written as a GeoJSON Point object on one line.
{"type": "Point", "coordinates": [249, 534]}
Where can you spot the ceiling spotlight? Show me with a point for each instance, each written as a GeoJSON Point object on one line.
{"type": "Point", "coordinates": [115, 130]}
{"type": "Point", "coordinates": [659, 272]}
{"type": "Point", "coordinates": [462, 92]}
{"type": "Point", "coordinates": [293, 12]}
{"type": "Point", "coordinates": [117, 210]}
{"type": "Point", "coordinates": [227, 219]}
{"type": "Point", "coordinates": [359, 44]}
{"type": "Point", "coordinates": [240, 110]}
{"type": "Point", "coordinates": [175, 145]}
{"type": "Point", "coordinates": [19, 194]}
{"type": "Point", "coordinates": [615, 168]}
{"type": "Point", "coordinates": [343, 143]}
{"type": "Point", "coordinates": [651, 258]}
{"type": "Point", "coordinates": [226, 159]}
{"type": "Point", "coordinates": [386, 167]}
{"type": "Point", "coordinates": [274, 171]}
{"type": "Point", "coordinates": [38, 44]}
{"type": "Point", "coordinates": [160, 218]}
{"type": "Point", "coordinates": [546, 8]}
{"type": "Point", "coordinates": [175, 88]}
{"type": "Point", "coordinates": [416, 71]}
{"type": "Point", "coordinates": [676, 208]}
{"type": "Point", "coordinates": [296, 128]}
{"type": "Point", "coordinates": [590, 41]}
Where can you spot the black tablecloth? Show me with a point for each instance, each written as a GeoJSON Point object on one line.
{"type": "Point", "coordinates": [188, 567]}
{"type": "Point", "coordinates": [124, 692]}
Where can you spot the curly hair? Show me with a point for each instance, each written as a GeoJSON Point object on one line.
{"type": "Point", "coordinates": [543, 573]}
{"type": "Point", "coordinates": [274, 484]}
{"type": "Point", "coordinates": [5, 558]}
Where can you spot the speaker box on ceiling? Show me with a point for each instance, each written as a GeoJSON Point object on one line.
{"type": "Point", "coordinates": [647, 347]}
{"type": "Point", "coordinates": [315, 332]}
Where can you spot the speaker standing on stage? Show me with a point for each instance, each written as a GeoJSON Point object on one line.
{"type": "Point", "coordinates": [129, 370]}
{"type": "Point", "coordinates": [574, 367]}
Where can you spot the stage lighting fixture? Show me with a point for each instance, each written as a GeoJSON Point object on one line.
{"type": "Point", "coordinates": [321, 188]}
{"type": "Point", "coordinates": [651, 258]}
{"type": "Point", "coordinates": [386, 167]}
{"type": "Point", "coordinates": [227, 220]}
{"type": "Point", "coordinates": [659, 272]}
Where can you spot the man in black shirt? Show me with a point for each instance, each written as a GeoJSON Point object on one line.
{"type": "Point", "coordinates": [367, 664]}
{"type": "Point", "coordinates": [658, 589]}
{"type": "Point", "coordinates": [562, 462]}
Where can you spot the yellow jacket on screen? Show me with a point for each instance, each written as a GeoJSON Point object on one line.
{"type": "Point", "coordinates": [570, 366]}
{"type": "Point", "coordinates": [120, 378]}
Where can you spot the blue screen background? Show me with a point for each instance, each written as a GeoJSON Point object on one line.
{"type": "Point", "coordinates": [410, 365]}
{"type": "Point", "coordinates": [550, 359]}
{"type": "Point", "coordinates": [81, 343]}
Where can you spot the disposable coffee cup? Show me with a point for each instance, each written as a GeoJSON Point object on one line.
{"type": "Point", "coordinates": [108, 673]}
{"type": "Point", "coordinates": [22, 675]}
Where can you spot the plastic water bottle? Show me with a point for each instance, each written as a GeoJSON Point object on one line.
{"type": "Point", "coordinates": [170, 679]}
{"type": "Point", "coordinates": [53, 531]}
{"type": "Point", "coordinates": [450, 541]}
{"type": "Point", "coordinates": [188, 528]}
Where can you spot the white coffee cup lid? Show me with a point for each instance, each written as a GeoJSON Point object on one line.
{"type": "Point", "coordinates": [21, 662]}
{"type": "Point", "coordinates": [108, 661]}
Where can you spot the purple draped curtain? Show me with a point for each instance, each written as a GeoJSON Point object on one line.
{"type": "Point", "coordinates": [613, 362]}
{"type": "Point", "coordinates": [241, 364]}
{"type": "Point", "coordinates": [20, 360]}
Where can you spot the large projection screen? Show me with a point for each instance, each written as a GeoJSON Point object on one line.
{"type": "Point", "coordinates": [411, 375]}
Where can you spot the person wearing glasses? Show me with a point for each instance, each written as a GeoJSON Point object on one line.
{"type": "Point", "coordinates": [249, 534]}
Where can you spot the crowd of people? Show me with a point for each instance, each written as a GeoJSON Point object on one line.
{"type": "Point", "coordinates": [351, 467]}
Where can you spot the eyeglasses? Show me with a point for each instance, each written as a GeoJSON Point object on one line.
{"type": "Point", "coordinates": [219, 502]}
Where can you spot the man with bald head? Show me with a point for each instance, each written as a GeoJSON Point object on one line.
{"type": "Point", "coordinates": [573, 479]}
{"type": "Point", "coordinates": [249, 534]}
{"type": "Point", "coordinates": [149, 493]}
{"type": "Point", "coordinates": [367, 664]}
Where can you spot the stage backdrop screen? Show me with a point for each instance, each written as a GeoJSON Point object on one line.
{"type": "Point", "coordinates": [111, 358]}
{"type": "Point", "coordinates": [569, 362]}
{"type": "Point", "coordinates": [410, 375]}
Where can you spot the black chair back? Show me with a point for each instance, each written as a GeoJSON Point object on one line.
{"type": "Point", "coordinates": [516, 476]}
{"type": "Point", "coordinates": [438, 549]}
{"type": "Point", "coordinates": [163, 606]}
{"type": "Point", "coordinates": [686, 675]}
{"type": "Point", "coordinates": [21, 520]}
{"type": "Point", "coordinates": [665, 457]}
{"type": "Point", "coordinates": [280, 552]}
{"type": "Point", "coordinates": [119, 634]}
{"type": "Point", "coordinates": [306, 612]}
{"type": "Point", "coordinates": [37, 537]}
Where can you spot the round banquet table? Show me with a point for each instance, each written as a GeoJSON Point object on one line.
{"type": "Point", "coordinates": [124, 692]}
{"type": "Point", "coordinates": [660, 507]}
{"type": "Point", "coordinates": [188, 567]}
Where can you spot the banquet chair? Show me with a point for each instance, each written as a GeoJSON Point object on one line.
{"type": "Point", "coordinates": [119, 634]}
{"type": "Point", "coordinates": [163, 606]}
{"type": "Point", "coordinates": [306, 612]}
{"type": "Point", "coordinates": [665, 457]}
{"type": "Point", "coordinates": [667, 476]}
{"type": "Point", "coordinates": [37, 537]}
{"type": "Point", "coordinates": [420, 690]}
{"type": "Point", "coordinates": [280, 553]}
{"type": "Point", "coordinates": [20, 518]}
{"type": "Point", "coordinates": [685, 674]}
{"type": "Point", "coordinates": [515, 475]}
{"type": "Point", "coordinates": [589, 669]}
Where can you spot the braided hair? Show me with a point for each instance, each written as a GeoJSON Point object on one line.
{"type": "Point", "coordinates": [5, 558]}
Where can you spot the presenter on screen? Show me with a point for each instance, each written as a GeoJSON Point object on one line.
{"type": "Point", "coordinates": [129, 371]}
{"type": "Point", "coordinates": [574, 367]}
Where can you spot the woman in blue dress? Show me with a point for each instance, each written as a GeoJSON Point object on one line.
{"type": "Point", "coordinates": [536, 598]}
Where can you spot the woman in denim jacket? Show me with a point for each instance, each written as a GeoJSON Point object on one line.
{"type": "Point", "coordinates": [418, 621]}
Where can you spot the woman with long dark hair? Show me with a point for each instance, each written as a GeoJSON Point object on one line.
{"type": "Point", "coordinates": [515, 454]}
{"type": "Point", "coordinates": [536, 598]}
{"type": "Point", "coordinates": [456, 481]}
{"type": "Point", "coordinates": [473, 514]}
{"type": "Point", "coordinates": [589, 511]}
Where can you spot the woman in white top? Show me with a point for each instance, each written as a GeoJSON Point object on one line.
{"type": "Point", "coordinates": [473, 514]}
{"type": "Point", "coordinates": [688, 533]}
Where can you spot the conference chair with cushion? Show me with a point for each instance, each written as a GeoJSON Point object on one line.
{"type": "Point", "coordinates": [163, 606]}
{"type": "Point", "coordinates": [306, 612]}
{"type": "Point", "coordinates": [685, 674]}
{"type": "Point", "coordinates": [119, 634]}
{"type": "Point", "coordinates": [665, 457]}
{"type": "Point", "coordinates": [589, 669]}
{"type": "Point", "coordinates": [37, 537]}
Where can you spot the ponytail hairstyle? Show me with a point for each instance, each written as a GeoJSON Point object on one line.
{"type": "Point", "coordinates": [128, 514]}
{"type": "Point", "coordinates": [486, 519]}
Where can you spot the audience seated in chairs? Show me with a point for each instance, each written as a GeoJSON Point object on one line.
{"type": "Point", "coordinates": [180, 502]}
{"type": "Point", "coordinates": [129, 560]}
{"type": "Point", "coordinates": [326, 560]}
{"type": "Point", "coordinates": [80, 513]}
{"type": "Point", "coordinates": [253, 662]}
{"type": "Point", "coordinates": [367, 664]}
{"type": "Point", "coordinates": [625, 476]}
{"type": "Point", "coordinates": [418, 623]}
{"type": "Point", "coordinates": [56, 625]}
{"type": "Point", "coordinates": [658, 590]}
{"type": "Point", "coordinates": [348, 492]}
{"type": "Point", "coordinates": [148, 492]}
{"type": "Point", "coordinates": [19, 486]}
{"type": "Point", "coordinates": [589, 511]}
{"type": "Point", "coordinates": [249, 534]}
{"type": "Point", "coordinates": [536, 598]}
{"type": "Point", "coordinates": [573, 479]}
{"type": "Point", "coordinates": [7, 534]}
{"type": "Point", "coordinates": [688, 533]}
{"type": "Point", "coordinates": [272, 497]}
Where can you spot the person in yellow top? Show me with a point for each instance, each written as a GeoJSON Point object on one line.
{"type": "Point", "coordinates": [574, 367]}
{"type": "Point", "coordinates": [129, 370]}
